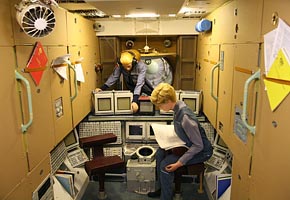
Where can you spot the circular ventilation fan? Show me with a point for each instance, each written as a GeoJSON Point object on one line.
{"type": "Point", "coordinates": [36, 20]}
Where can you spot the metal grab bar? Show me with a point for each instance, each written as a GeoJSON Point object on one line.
{"type": "Point", "coordinates": [255, 76]}
{"type": "Point", "coordinates": [211, 83]}
{"type": "Point", "coordinates": [75, 82]}
{"type": "Point", "coordinates": [24, 127]}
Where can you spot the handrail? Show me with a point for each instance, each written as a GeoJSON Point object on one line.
{"type": "Point", "coordinates": [24, 127]}
{"type": "Point", "coordinates": [75, 82]}
{"type": "Point", "coordinates": [256, 75]}
{"type": "Point", "coordinates": [211, 84]}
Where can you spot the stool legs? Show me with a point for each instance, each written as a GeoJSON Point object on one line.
{"type": "Point", "coordinates": [200, 190]}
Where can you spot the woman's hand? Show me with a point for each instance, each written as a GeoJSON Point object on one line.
{"type": "Point", "coordinates": [173, 167]}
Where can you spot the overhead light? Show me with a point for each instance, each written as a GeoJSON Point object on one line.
{"type": "Point", "coordinates": [116, 16]}
{"type": "Point", "coordinates": [142, 15]}
{"type": "Point", "coordinates": [171, 15]}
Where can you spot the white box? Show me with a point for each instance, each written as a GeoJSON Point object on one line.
{"type": "Point", "coordinates": [140, 176]}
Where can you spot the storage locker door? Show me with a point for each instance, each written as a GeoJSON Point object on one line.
{"type": "Point", "coordinates": [272, 139]}
{"type": "Point", "coordinates": [60, 96]}
{"type": "Point", "coordinates": [210, 59]}
{"type": "Point", "coordinates": [225, 91]}
{"type": "Point", "coordinates": [13, 164]}
{"type": "Point", "coordinates": [82, 104]}
{"type": "Point", "coordinates": [40, 135]}
{"type": "Point", "coordinates": [239, 139]}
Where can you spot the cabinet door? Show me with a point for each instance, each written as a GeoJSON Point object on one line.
{"type": "Point", "coordinates": [271, 144]}
{"type": "Point", "coordinates": [82, 104]}
{"type": "Point", "coordinates": [39, 138]}
{"type": "Point", "coordinates": [239, 139]}
{"type": "Point", "coordinates": [5, 25]}
{"type": "Point", "coordinates": [185, 71]}
{"type": "Point", "coordinates": [60, 96]}
{"type": "Point", "coordinates": [13, 165]}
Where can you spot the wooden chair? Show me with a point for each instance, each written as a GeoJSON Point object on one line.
{"type": "Point", "coordinates": [194, 169]}
{"type": "Point", "coordinates": [100, 164]}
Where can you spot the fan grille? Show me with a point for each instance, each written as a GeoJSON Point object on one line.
{"type": "Point", "coordinates": [38, 21]}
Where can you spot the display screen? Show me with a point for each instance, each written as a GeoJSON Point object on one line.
{"type": "Point", "coordinates": [190, 102]}
{"type": "Point", "coordinates": [146, 106]}
{"type": "Point", "coordinates": [135, 130]}
{"type": "Point", "coordinates": [220, 142]}
{"type": "Point", "coordinates": [70, 139]}
{"type": "Point", "coordinates": [104, 104]}
{"type": "Point", "coordinates": [123, 103]}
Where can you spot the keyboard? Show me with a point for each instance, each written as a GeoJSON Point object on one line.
{"type": "Point", "coordinates": [216, 161]}
{"type": "Point", "coordinates": [77, 157]}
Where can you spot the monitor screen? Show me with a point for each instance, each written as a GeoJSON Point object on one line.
{"type": "Point", "coordinates": [190, 102]}
{"type": "Point", "coordinates": [71, 140]}
{"type": "Point", "coordinates": [146, 107]}
{"type": "Point", "coordinates": [135, 130]}
{"type": "Point", "coordinates": [124, 103]}
{"type": "Point", "coordinates": [192, 99]}
{"type": "Point", "coordinates": [219, 143]}
{"type": "Point", "coordinates": [104, 104]}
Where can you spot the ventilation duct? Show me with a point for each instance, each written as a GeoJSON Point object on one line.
{"type": "Point", "coordinates": [36, 18]}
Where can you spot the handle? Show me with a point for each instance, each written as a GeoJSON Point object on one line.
{"type": "Point", "coordinates": [75, 82]}
{"type": "Point", "coordinates": [255, 76]}
{"type": "Point", "coordinates": [211, 84]}
{"type": "Point", "coordinates": [24, 127]}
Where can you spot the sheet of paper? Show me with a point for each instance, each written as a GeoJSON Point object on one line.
{"type": "Point", "coordinates": [282, 39]}
{"type": "Point", "coordinates": [276, 93]}
{"type": "Point", "coordinates": [62, 70]}
{"type": "Point", "coordinates": [280, 68]}
{"type": "Point", "coordinates": [79, 72]}
{"type": "Point", "coordinates": [166, 136]}
{"type": "Point", "coordinates": [268, 45]}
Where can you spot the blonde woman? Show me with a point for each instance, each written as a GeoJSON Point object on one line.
{"type": "Point", "coordinates": [188, 129]}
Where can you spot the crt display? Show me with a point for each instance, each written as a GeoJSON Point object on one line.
{"type": "Point", "coordinates": [104, 104]}
{"type": "Point", "coordinates": [70, 139]}
{"type": "Point", "coordinates": [190, 102]}
{"type": "Point", "coordinates": [146, 106]}
{"type": "Point", "coordinates": [135, 130]}
{"type": "Point", "coordinates": [220, 142]}
{"type": "Point", "coordinates": [123, 103]}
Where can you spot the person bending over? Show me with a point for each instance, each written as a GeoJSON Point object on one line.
{"type": "Point", "coordinates": [189, 130]}
{"type": "Point", "coordinates": [133, 71]}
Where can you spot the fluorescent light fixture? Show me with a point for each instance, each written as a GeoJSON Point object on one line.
{"type": "Point", "coordinates": [116, 16]}
{"type": "Point", "coordinates": [142, 15]}
{"type": "Point", "coordinates": [171, 15]}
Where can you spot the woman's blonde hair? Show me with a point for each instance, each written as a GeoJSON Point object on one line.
{"type": "Point", "coordinates": [163, 93]}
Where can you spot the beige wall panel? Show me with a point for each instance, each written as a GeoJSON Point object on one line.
{"type": "Point", "coordinates": [57, 37]}
{"type": "Point", "coordinates": [5, 25]}
{"type": "Point", "coordinates": [281, 7]}
{"type": "Point", "coordinates": [82, 104]}
{"type": "Point", "coordinates": [60, 92]}
{"type": "Point", "coordinates": [248, 20]}
{"type": "Point", "coordinates": [209, 104]}
{"type": "Point", "coordinates": [240, 180]}
{"type": "Point", "coordinates": [31, 182]}
{"type": "Point", "coordinates": [40, 135]}
{"type": "Point", "coordinates": [243, 69]}
{"type": "Point", "coordinates": [271, 151]}
{"type": "Point", "coordinates": [13, 165]}
{"type": "Point", "coordinates": [223, 27]}
{"type": "Point", "coordinates": [80, 30]}
{"type": "Point", "coordinates": [225, 93]}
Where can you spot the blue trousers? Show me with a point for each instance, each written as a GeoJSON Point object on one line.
{"type": "Point", "coordinates": [165, 179]}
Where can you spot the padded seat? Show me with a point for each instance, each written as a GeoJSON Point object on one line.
{"type": "Point", "coordinates": [100, 164]}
